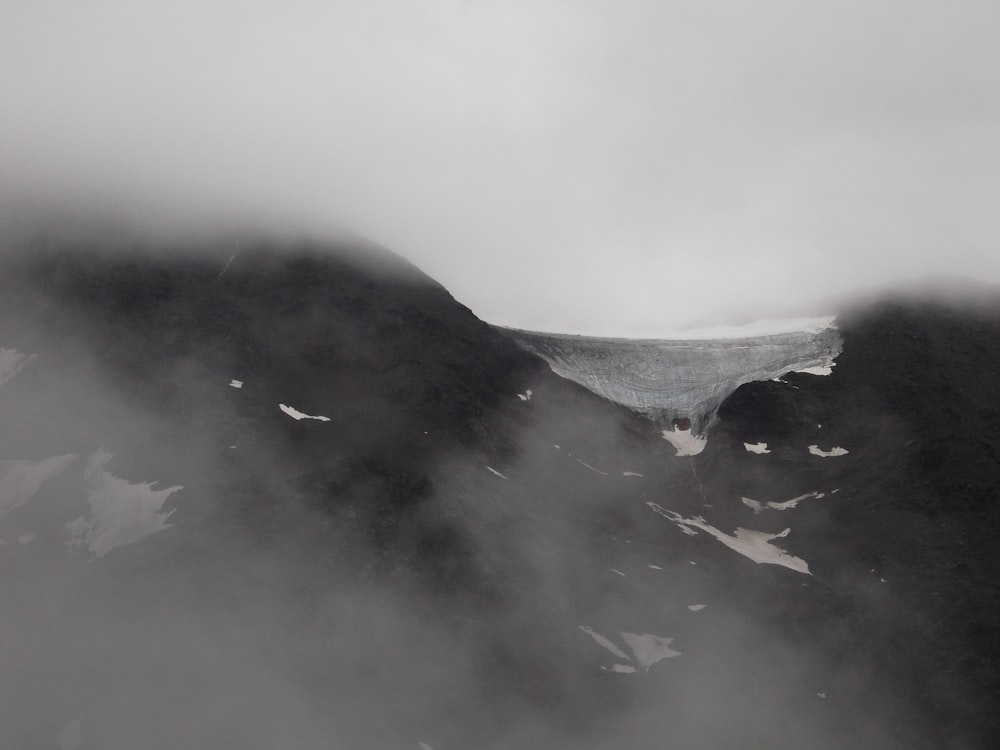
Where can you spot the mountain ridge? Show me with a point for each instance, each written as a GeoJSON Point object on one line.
{"type": "Point", "coordinates": [431, 565]}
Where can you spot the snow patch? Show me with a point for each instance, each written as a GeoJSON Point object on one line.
{"type": "Point", "coordinates": [631, 474]}
{"type": "Point", "coordinates": [603, 473]}
{"type": "Point", "coordinates": [697, 607]}
{"type": "Point", "coordinates": [526, 396]}
{"type": "Point", "coordinates": [649, 649]}
{"type": "Point", "coordinates": [758, 448]}
{"type": "Point", "coordinates": [654, 567]}
{"type": "Point", "coordinates": [235, 383]}
{"type": "Point", "coordinates": [26, 539]}
{"type": "Point", "coordinates": [494, 471]}
{"type": "Point", "coordinates": [818, 369]}
{"type": "Point", "coordinates": [834, 451]}
{"type": "Point", "coordinates": [297, 415]}
{"type": "Point", "coordinates": [12, 362]}
{"type": "Point", "coordinates": [685, 442]}
{"type": "Point", "coordinates": [793, 502]}
{"type": "Point", "coordinates": [20, 480]}
{"type": "Point", "coordinates": [620, 668]}
{"type": "Point", "coordinates": [618, 572]}
{"type": "Point", "coordinates": [121, 512]}
{"type": "Point", "coordinates": [604, 642]}
{"type": "Point", "coordinates": [755, 545]}
{"type": "Point", "coordinates": [757, 507]}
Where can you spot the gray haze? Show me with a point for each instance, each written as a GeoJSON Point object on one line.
{"type": "Point", "coordinates": [603, 167]}
{"type": "Point", "coordinates": [219, 632]}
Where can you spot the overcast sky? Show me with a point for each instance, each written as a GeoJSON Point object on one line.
{"type": "Point", "coordinates": [605, 167]}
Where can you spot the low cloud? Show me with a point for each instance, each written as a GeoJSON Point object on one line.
{"type": "Point", "coordinates": [560, 166]}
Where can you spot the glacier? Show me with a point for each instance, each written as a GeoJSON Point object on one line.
{"type": "Point", "coordinates": [682, 379]}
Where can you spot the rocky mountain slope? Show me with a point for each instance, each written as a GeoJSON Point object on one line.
{"type": "Point", "coordinates": [258, 493]}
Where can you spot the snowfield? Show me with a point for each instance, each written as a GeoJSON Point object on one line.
{"type": "Point", "coordinates": [818, 370]}
{"type": "Point", "coordinates": [121, 512]}
{"type": "Point", "coordinates": [754, 545]}
{"type": "Point", "coordinates": [685, 443]}
{"type": "Point", "coordinates": [647, 649]}
{"type": "Point", "coordinates": [757, 506]}
{"type": "Point", "coordinates": [298, 415]}
{"type": "Point", "coordinates": [604, 642]}
{"type": "Point", "coordinates": [835, 451]}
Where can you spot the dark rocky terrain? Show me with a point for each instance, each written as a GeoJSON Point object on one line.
{"type": "Point", "coordinates": [429, 564]}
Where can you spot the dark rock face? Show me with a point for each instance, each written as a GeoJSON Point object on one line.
{"type": "Point", "coordinates": [467, 550]}
{"type": "Point", "coordinates": [912, 397]}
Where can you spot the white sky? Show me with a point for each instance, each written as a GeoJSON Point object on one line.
{"type": "Point", "coordinates": [608, 167]}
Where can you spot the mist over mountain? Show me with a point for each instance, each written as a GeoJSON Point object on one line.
{"type": "Point", "coordinates": [605, 165]}
{"type": "Point", "coordinates": [260, 490]}
{"type": "Point", "coordinates": [535, 482]}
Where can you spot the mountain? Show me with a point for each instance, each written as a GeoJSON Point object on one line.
{"type": "Point", "coordinates": [261, 492]}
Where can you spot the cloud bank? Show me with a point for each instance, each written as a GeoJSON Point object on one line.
{"type": "Point", "coordinates": [610, 168]}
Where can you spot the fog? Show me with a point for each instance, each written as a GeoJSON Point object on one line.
{"type": "Point", "coordinates": [557, 166]}
{"type": "Point", "coordinates": [369, 582]}
{"type": "Point", "coordinates": [626, 168]}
